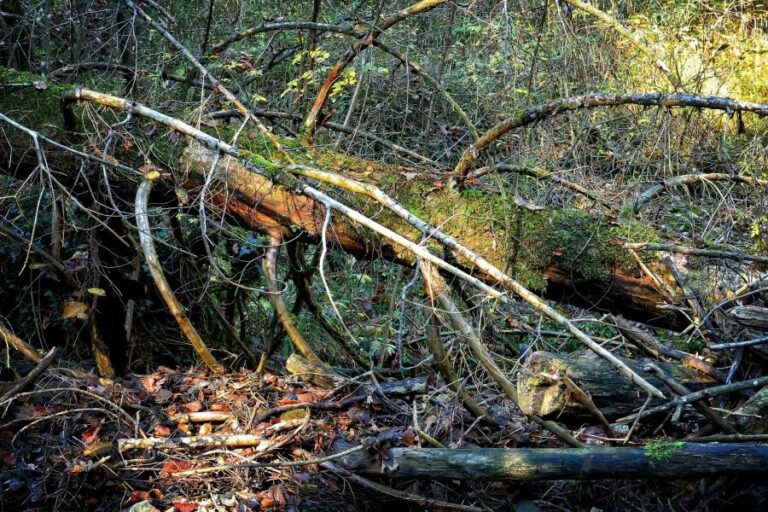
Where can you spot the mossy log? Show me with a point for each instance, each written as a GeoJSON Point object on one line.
{"type": "Point", "coordinates": [544, 391]}
{"type": "Point", "coordinates": [553, 250]}
{"type": "Point", "coordinates": [675, 460]}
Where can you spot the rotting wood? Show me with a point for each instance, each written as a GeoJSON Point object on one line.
{"type": "Point", "coordinates": [543, 392]}
{"type": "Point", "coordinates": [477, 260]}
{"type": "Point", "coordinates": [314, 372]}
{"type": "Point", "coordinates": [678, 460]}
{"type": "Point", "coordinates": [753, 317]}
{"type": "Point", "coordinates": [752, 415]}
{"type": "Point", "coordinates": [281, 209]}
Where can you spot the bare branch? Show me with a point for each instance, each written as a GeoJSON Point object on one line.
{"type": "Point", "coordinates": [156, 270]}
{"type": "Point", "coordinates": [540, 112]}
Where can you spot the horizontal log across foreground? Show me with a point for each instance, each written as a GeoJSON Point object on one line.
{"type": "Point", "coordinates": [676, 460]}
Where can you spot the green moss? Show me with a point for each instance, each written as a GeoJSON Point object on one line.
{"type": "Point", "coordinates": [31, 100]}
{"type": "Point", "coordinates": [260, 161]}
{"type": "Point", "coordinates": [522, 241]}
{"type": "Point", "coordinates": [296, 414]}
{"type": "Point", "coordinates": [663, 450]}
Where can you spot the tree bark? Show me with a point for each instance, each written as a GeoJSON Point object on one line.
{"type": "Point", "coordinates": [553, 250]}
{"type": "Point", "coordinates": [543, 391]}
{"type": "Point", "coordinates": [676, 460]}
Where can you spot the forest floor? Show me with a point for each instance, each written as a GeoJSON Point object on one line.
{"type": "Point", "coordinates": [74, 442]}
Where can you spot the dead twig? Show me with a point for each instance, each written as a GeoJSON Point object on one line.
{"type": "Point", "coordinates": [29, 378]}
{"type": "Point", "coordinates": [681, 390]}
{"type": "Point", "coordinates": [699, 315]}
{"type": "Point", "coordinates": [709, 253]}
{"type": "Point", "coordinates": [687, 179]}
{"type": "Point", "coordinates": [19, 345]}
{"type": "Point", "coordinates": [406, 496]}
{"type": "Point", "coordinates": [193, 442]}
{"type": "Point", "coordinates": [739, 344]}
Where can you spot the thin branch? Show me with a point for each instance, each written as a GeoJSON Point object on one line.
{"type": "Point", "coordinates": [405, 496]}
{"type": "Point", "coordinates": [537, 172]}
{"type": "Point", "coordinates": [540, 112]}
{"type": "Point", "coordinates": [19, 345]}
{"type": "Point", "coordinates": [739, 344]}
{"type": "Point", "coordinates": [445, 366]}
{"type": "Point", "coordinates": [29, 378]}
{"type": "Point", "coordinates": [335, 73]}
{"type": "Point", "coordinates": [279, 26]}
{"type": "Point", "coordinates": [156, 270]}
{"type": "Point", "coordinates": [681, 390]}
{"type": "Point", "coordinates": [437, 289]}
{"type": "Point", "coordinates": [687, 179]}
{"type": "Point", "coordinates": [269, 114]}
{"type": "Point", "coordinates": [275, 298]}
{"type": "Point", "coordinates": [701, 318]}
{"type": "Point", "coordinates": [621, 29]}
{"type": "Point", "coordinates": [696, 396]}
{"type": "Point", "coordinates": [45, 255]}
{"type": "Point", "coordinates": [709, 253]}
{"type": "Point", "coordinates": [205, 74]}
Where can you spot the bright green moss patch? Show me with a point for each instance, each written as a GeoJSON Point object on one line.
{"type": "Point", "coordinates": [663, 450]}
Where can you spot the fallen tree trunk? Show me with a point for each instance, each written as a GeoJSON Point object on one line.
{"type": "Point", "coordinates": [544, 250]}
{"type": "Point", "coordinates": [549, 384]}
{"type": "Point", "coordinates": [676, 460]}
{"type": "Point", "coordinates": [604, 273]}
